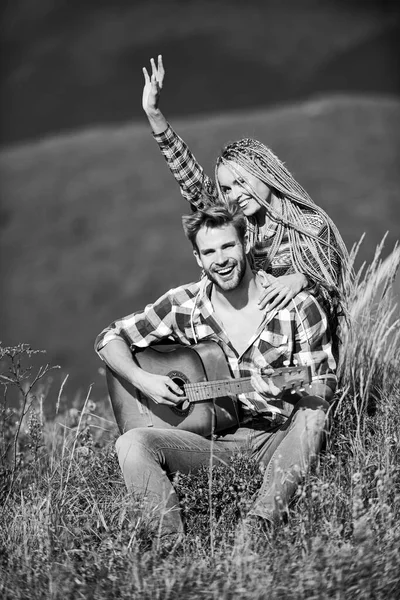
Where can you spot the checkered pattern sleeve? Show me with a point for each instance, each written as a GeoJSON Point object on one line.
{"type": "Point", "coordinates": [141, 329]}
{"type": "Point", "coordinates": [195, 185]}
{"type": "Point", "coordinates": [312, 343]}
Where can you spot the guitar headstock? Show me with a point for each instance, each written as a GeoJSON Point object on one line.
{"type": "Point", "coordinates": [292, 378]}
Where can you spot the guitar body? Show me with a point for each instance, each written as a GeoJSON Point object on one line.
{"type": "Point", "coordinates": [183, 364]}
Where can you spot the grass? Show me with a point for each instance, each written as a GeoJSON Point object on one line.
{"type": "Point", "coordinates": [91, 221]}
{"type": "Point", "coordinates": [70, 530]}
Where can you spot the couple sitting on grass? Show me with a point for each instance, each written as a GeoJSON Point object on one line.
{"type": "Point", "coordinates": [270, 295]}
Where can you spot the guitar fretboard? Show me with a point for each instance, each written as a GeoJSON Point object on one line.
{"type": "Point", "coordinates": [287, 378]}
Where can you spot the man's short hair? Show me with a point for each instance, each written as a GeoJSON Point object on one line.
{"type": "Point", "coordinates": [217, 215]}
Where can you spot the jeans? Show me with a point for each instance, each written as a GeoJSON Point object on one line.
{"type": "Point", "coordinates": [149, 458]}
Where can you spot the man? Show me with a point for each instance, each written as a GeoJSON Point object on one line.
{"type": "Point", "coordinates": [222, 307]}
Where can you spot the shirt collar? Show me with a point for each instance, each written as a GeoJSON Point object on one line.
{"type": "Point", "coordinates": [204, 305]}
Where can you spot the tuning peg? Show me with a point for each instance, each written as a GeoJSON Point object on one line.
{"type": "Point", "coordinates": [295, 362]}
{"type": "Point", "coordinates": [286, 363]}
{"type": "Point", "coordinates": [293, 391]}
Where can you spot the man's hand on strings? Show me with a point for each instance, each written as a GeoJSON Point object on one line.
{"type": "Point", "coordinates": [264, 387]}
{"type": "Point", "coordinates": [160, 388]}
{"type": "Point", "coordinates": [279, 291]}
{"type": "Point", "coordinates": [153, 85]}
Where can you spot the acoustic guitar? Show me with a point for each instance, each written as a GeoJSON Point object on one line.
{"type": "Point", "coordinates": [202, 372]}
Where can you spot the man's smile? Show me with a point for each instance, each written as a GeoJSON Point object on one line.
{"type": "Point", "coordinates": [224, 271]}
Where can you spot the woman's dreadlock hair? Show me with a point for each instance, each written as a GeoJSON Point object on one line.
{"type": "Point", "coordinates": [322, 257]}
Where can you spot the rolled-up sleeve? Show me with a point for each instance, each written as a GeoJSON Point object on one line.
{"type": "Point", "coordinates": [141, 329]}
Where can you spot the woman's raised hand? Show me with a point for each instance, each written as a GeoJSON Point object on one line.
{"type": "Point", "coordinates": [153, 85]}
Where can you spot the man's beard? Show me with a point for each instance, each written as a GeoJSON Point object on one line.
{"type": "Point", "coordinates": [233, 281]}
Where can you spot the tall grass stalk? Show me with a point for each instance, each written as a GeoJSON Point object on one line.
{"type": "Point", "coordinates": [371, 338]}
{"type": "Point", "coordinates": [75, 442]}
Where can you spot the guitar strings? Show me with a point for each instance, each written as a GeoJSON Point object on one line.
{"type": "Point", "coordinates": [204, 390]}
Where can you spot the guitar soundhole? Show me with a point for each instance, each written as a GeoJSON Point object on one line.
{"type": "Point", "coordinates": [183, 408]}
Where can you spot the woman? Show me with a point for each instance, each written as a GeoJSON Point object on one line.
{"type": "Point", "coordinates": [293, 240]}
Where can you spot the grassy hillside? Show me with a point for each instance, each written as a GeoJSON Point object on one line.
{"type": "Point", "coordinates": [91, 221]}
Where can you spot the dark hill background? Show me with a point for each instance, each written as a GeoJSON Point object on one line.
{"type": "Point", "coordinates": [90, 219]}
{"type": "Point", "coordinates": [73, 63]}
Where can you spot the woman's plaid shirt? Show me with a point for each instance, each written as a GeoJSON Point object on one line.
{"type": "Point", "coordinates": [185, 315]}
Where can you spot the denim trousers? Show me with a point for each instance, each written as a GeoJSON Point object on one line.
{"type": "Point", "coordinates": [150, 457]}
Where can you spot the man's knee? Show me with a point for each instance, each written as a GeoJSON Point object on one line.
{"type": "Point", "coordinates": [313, 403]}
{"type": "Point", "coordinates": [311, 414]}
{"type": "Point", "coordinates": [132, 446]}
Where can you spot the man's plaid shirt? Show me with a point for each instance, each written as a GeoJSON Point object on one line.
{"type": "Point", "coordinates": [186, 315]}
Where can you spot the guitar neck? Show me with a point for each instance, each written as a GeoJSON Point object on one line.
{"type": "Point", "coordinates": [285, 378]}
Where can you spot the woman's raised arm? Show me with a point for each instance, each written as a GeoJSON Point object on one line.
{"type": "Point", "coordinates": [195, 185]}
